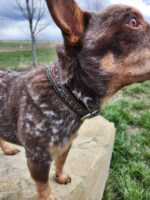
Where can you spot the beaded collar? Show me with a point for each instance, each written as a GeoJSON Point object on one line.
{"type": "Point", "coordinates": [66, 95]}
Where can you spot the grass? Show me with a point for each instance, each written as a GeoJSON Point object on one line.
{"type": "Point", "coordinates": [15, 58]}
{"type": "Point", "coordinates": [14, 44]}
{"type": "Point", "coordinates": [129, 177]}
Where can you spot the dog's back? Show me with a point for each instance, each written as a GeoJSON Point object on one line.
{"type": "Point", "coordinates": [8, 101]}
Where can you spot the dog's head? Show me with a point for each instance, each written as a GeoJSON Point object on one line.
{"type": "Point", "coordinates": [114, 43]}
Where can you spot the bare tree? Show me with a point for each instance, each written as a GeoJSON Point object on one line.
{"type": "Point", "coordinates": [33, 11]}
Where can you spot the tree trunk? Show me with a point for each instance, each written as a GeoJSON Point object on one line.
{"type": "Point", "coordinates": [34, 56]}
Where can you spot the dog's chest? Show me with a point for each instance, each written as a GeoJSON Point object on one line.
{"type": "Point", "coordinates": [46, 121]}
{"type": "Point", "coordinates": [51, 125]}
{"type": "Point", "coordinates": [57, 150]}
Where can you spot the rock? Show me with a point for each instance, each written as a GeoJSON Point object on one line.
{"type": "Point", "coordinates": [88, 164]}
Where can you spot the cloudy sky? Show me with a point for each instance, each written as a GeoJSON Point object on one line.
{"type": "Point", "coordinates": [14, 27]}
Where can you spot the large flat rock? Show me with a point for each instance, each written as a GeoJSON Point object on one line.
{"type": "Point", "coordinates": [88, 164]}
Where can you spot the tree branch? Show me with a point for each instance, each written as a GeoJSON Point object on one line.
{"type": "Point", "coordinates": [33, 11]}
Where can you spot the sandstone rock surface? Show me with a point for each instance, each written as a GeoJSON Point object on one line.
{"type": "Point", "coordinates": [88, 164]}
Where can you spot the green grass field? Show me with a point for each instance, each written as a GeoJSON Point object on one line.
{"type": "Point", "coordinates": [17, 55]}
{"type": "Point", "coordinates": [129, 177]}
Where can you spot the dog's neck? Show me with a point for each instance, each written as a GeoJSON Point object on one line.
{"type": "Point", "coordinates": [90, 90]}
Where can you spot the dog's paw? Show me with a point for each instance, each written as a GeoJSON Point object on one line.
{"type": "Point", "coordinates": [63, 179]}
{"type": "Point", "coordinates": [11, 151]}
{"type": "Point", "coordinates": [51, 197]}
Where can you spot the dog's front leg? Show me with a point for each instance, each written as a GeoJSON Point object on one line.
{"type": "Point", "coordinates": [60, 176]}
{"type": "Point", "coordinates": [7, 148]}
{"type": "Point", "coordinates": [40, 174]}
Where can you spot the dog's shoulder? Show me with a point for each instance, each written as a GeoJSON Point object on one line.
{"type": "Point", "coordinates": [36, 77]}
{"type": "Point", "coordinates": [37, 85]}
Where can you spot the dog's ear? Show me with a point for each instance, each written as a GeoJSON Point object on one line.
{"type": "Point", "coordinates": [70, 19]}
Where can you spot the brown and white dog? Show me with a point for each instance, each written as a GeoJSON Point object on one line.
{"type": "Point", "coordinates": [102, 52]}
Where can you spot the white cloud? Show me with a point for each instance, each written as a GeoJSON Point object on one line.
{"type": "Point", "coordinates": [11, 31]}
{"type": "Point", "coordinates": [12, 25]}
{"type": "Point", "coordinates": [19, 30]}
{"type": "Point", "coordinates": [140, 4]}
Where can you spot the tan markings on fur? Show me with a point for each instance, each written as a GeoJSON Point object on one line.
{"type": "Point", "coordinates": [108, 63]}
{"type": "Point", "coordinates": [131, 69]}
{"type": "Point", "coordinates": [7, 148]}
{"type": "Point", "coordinates": [44, 191]}
{"type": "Point", "coordinates": [70, 22]}
{"type": "Point", "coordinates": [60, 176]}
{"type": "Point", "coordinates": [56, 150]}
{"type": "Point", "coordinates": [61, 152]}
{"type": "Point", "coordinates": [137, 63]}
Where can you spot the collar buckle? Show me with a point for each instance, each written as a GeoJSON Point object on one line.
{"type": "Point", "coordinates": [90, 115]}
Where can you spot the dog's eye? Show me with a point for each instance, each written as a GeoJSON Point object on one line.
{"type": "Point", "coordinates": [133, 22]}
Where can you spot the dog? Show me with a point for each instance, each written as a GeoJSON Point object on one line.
{"type": "Point", "coordinates": [43, 109]}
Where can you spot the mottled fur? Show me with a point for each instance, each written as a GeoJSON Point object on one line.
{"type": "Point", "coordinates": [101, 53]}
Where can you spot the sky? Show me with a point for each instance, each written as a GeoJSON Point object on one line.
{"type": "Point", "coordinates": [13, 26]}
